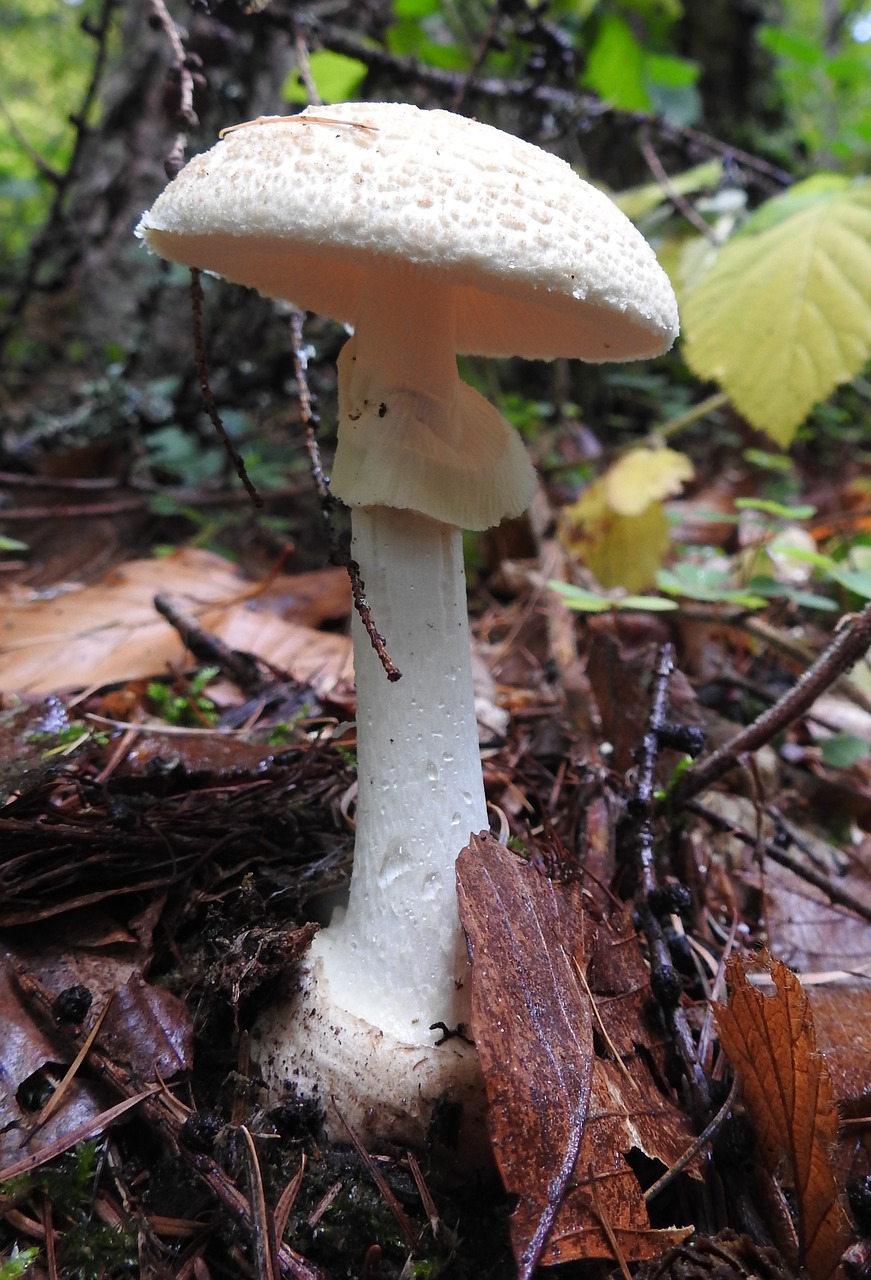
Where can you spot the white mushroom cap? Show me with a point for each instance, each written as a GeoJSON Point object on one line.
{"type": "Point", "coordinates": [302, 207]}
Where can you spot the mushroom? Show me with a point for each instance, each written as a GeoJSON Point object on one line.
{"type": "Point", "coordinates": [432, 235]}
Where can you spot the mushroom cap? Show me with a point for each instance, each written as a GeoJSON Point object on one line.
{"type": "Point", "coordinates": [301, 207]}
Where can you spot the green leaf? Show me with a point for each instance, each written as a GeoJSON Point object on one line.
{"type": "Point", "coordinates": [771, 461]}
{"type": "Point", "coordinates": [801, 511]}
{"type": "Point", "coordinates": [844, 750]}
{"type": "Point", "coordinates": [855, 580]}
{"type": "Point", "coordinates": [18, 1263]}
{"type": "Point", "coordinates": [415, 8]}
{"type": "Point", "coordinates": [337, 78]}
{"type": "Point", "coordinates": [583, 601]}
{"type": "Point", "coordinates": [615, 66]}
{"type": "Point", "coordinates": [783, 316]}
{"type": "Point", "coordinates": [701, 582]}
{"type": "Point", "coordinates": [774, 590]}
{"type": "Point", "coordinates": [802, 195]}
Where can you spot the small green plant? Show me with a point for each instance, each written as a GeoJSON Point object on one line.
{"type": "Point", "coordinates": [88, 1250]}
{"type": "Point", "coordinates": [68, 739]}
{"type": "Point", "coordinates": [190, 708]}
{"type": "Point", "coordinates": [17, 1263]}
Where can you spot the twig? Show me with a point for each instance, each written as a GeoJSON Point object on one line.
{"type": "Point", "coordinates": [263, 1227]}
{"type": "Point", "coordinates": [571, 105]}
{"type": "Point", "coordinates": [412, 1239]}
{"type": "Point", "coordinates": [304, 68]}
{"type": "Point", "coordinates": [665, 981]}
{"type": "Point", "coordinates": [161, 1116]}
{"type": "Point", "coordinates": [240, 667]}
{"type": "Point", "coordinates": [186, 112]}
{"type": "Point", "coordinates": [43, 168]}
{"type": "Point", "coordinates": [778, 853]}
{"type": "Point", "coordinates": [484, 45]}
{"type": "Point", "coordinates": [208, 398]}
{"type": "Point", "coordinates": [81, 1133]}
{"type": "Point", "coordinates": [719, 400]}
{"type": "Point", "coordinates": [287, 1199]}
{"type": "Point", "coordinates": [330, 504]}
{"type": "Point", "coordinates": [605, 1224]}
{"type": "Point", "coordinates": [848, 646]}
{"type": "Point", "coordinates": [682, 205]}
{"type": "Point", "coordinates": [709, 1131]}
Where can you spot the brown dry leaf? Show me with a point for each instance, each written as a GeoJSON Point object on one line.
{"type": "Point", "coordinates": [771, 1044]}
{"type": "Point", "coordinates": [808, 931]}
{"type": "Point", "coordinates": [842, 1021]}
{"type": "Point", "coordinates": [147, 1028]}
{"type": "Point", "coordinates": [560, 1117]}
{"type": "Point", "coordinates": [109, 632]}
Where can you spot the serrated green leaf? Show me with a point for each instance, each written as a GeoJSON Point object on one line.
{"type": "Point", "coordinates": [802, 195]}
{"type": "Point", "coordinates": [783, 316]}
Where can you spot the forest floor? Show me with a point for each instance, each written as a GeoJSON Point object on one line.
{"type": "Point", "coordinates": [177, 801]}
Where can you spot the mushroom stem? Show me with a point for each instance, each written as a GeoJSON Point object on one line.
{"type": "Point", "coordinates": [412, 435]}
{"type": "Point", "coordinates": [357, 1034]}
{"type": "Point", "coordinates": [420, 789]}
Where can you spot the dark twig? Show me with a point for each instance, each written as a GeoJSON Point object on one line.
{"type": "Point", "coordinates": [330, 504]}
{"type": "Point", "coordinates": [848, 646]}
{"type": "Point", "coordinates": [779, 853]}
{"type": "Point", "coordinates": [569, 104]}
{"type": "Point", "coordinates": [682, 205]}
{"type": "Point", "coordinates": [265, 1251]}
{"type": "Point", "coordinates": [238, 666]}
{"type": "Point", "coordinates": [710, 1131]}
{"type": "Point", "coordinates": [665, 981]}
{"type": "Point", "coordinates": [186, 113]}
{"type": "Point", "coordinates": [484, 45]}
{"type": "Point", "coordinates": [208, 398]}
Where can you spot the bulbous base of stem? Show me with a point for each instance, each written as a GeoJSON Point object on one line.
{"type": "Point", "coordinates": [387, 1090]}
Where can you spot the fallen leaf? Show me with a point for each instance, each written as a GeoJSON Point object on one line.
{"type": "Point", "coordinates": [618, 527]}
{"type": "Point", "coordinates": [561, 1117]}
{"type": "Point", "coordinates": [109, 632]}
{"type": "Point", "coordinates": [771, 1044]}
{"type": "Point", "coordinates": [146, 1028]}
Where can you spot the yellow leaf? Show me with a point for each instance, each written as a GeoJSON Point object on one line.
{"type": "Point", "coordinates": [618, 527]}
{"type": "Point", "coordinates": [783, 316]}
{"type": "Point", "coordinates": [643, 476]}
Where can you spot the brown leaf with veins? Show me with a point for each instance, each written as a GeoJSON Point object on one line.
{"type": "Point", "coordinates": [560, 1117]}
{"type": "Point", "coordinates": [771, 1044]}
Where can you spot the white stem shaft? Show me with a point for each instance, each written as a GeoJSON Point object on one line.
{"type": "Point", "coordinates": [420, 788]}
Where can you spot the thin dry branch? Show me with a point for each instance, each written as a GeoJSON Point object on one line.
{"type": "Point", "coordinates": [848, 646]}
